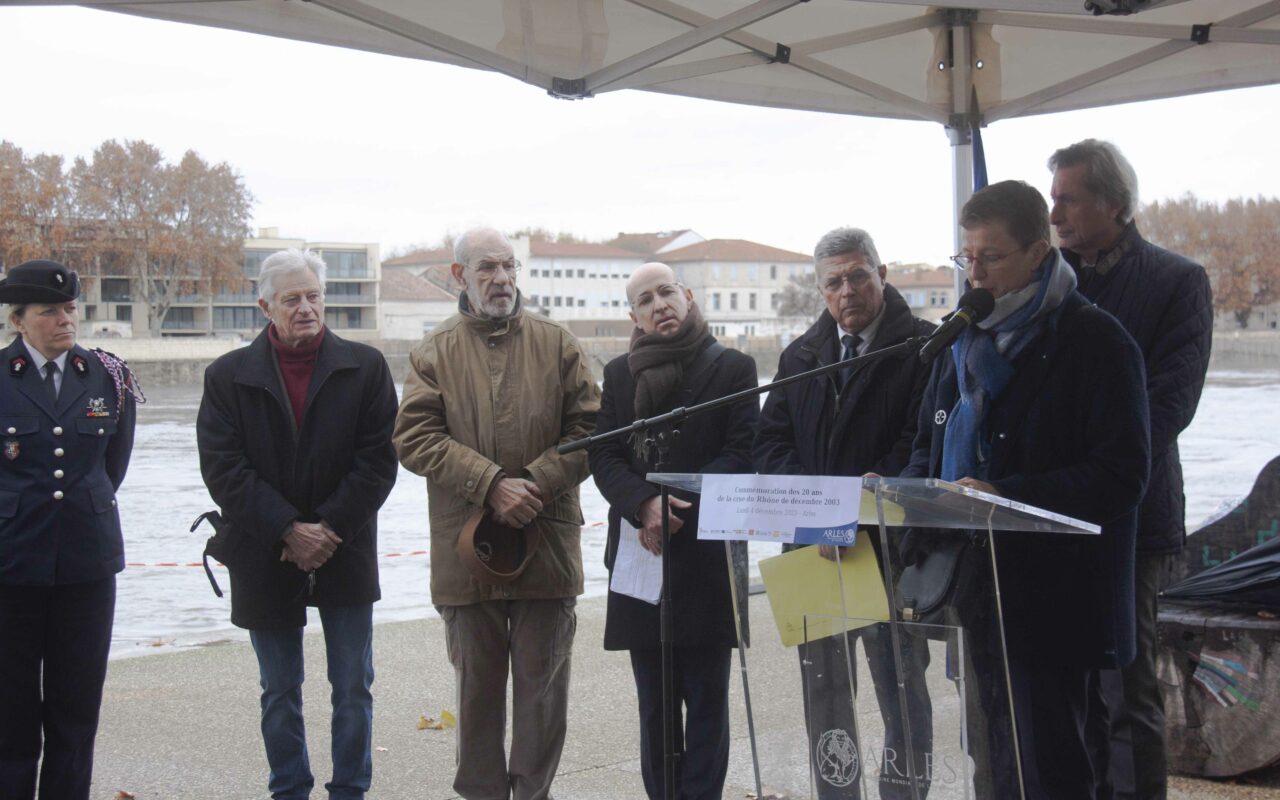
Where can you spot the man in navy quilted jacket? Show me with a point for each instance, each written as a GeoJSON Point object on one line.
{"type": "Point", "coordinates": [1165, 303]}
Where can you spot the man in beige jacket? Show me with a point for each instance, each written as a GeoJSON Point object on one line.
{"type": "Point", "coordinates": [514, 386]}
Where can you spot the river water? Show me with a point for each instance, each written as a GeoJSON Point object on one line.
{"type": "Point", "coordinates": [161, 607]}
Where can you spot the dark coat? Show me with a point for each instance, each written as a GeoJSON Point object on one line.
{"type": "Point", "coordinates": [265, 472]}
{"type": "Point", "coordinates": [1165, 303]}
{"type": "Point", "coordinates": [718, 442]}
{"type": "Point", "coordinates": [1069, 435]}
{"type": "Point", "coordinates": [63, 464]}
{"type": "Point", "coordinates": [808, 428]}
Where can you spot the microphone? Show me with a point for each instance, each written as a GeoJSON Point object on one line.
{"type": "Point", "coordinates": [975, 306]}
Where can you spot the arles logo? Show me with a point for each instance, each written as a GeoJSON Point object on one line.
{"type": "Point", "coordinates": [836, 757]}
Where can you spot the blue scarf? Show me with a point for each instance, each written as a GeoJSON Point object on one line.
{"type": "Point", "coordinates": [984, 357]}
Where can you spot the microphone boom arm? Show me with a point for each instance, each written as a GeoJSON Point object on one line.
{"type": "Point", "coordinates": [910, 347]}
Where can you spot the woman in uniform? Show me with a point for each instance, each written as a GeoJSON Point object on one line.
{"type": "Point", "coordinates": [66, 430]}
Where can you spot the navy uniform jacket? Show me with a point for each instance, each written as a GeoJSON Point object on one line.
{"type": "Point", "coordinates": [60, 470]}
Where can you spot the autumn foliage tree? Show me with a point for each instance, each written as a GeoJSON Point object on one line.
{"type": "Point", "coordinates": [35, 207]}
{"type": "Point", "coordinates": [174, 229]}
{"type": "Point", "coordinates": [1238, 242]}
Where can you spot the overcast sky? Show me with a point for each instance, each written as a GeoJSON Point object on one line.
{"type": "Point", "coordinates": [349, 146]}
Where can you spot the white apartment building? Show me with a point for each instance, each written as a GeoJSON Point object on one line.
{"type": "Point", "coordinates": [929, 291]}
{"type": "Point", "coordinates": [114, 306]}
{"type": "Point", "coordinates": [738, 284]}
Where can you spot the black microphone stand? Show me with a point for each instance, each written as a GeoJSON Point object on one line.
{"type": "Point", "coordinates": [665, 428]}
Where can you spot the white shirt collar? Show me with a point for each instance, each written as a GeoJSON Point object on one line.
{"type": "Point", "coordinates": [39, 360]}
{"type": "Point", "coordinates": [865, 335]}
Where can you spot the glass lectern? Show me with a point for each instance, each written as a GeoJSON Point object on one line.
{"type": "Point", "coordinates": [933, 717]}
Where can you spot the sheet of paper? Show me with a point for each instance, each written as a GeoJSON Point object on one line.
{"type": "Point", "coordinates": [812, 597]}
{"type": "Point", "coordinates": [801, 509]}
{"type": "Point", "coordinates": [636, 572]}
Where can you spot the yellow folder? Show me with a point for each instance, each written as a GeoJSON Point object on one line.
{"type": "Point", "coordinates": [834, 598]}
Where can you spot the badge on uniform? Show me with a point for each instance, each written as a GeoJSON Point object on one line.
{"type": "Point", "coordinates": [17, 366]}
{"type": "Point", "coordinates": [81, 366]}
{"type": "Point", "coordinates": [11, 449]}
{"type": "Point", "coordinates": [98, 407]}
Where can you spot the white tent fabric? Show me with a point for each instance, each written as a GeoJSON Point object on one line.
{"type": "Point", "coordinates": [893, 58]}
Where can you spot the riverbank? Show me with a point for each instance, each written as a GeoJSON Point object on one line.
{"type": "Point", "coordinates": [184, 724]}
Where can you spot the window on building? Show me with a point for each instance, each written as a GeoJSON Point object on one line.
{"type": "Point", "coordinates": [252, 264]}
{"type": "Point", "coordinates": [616, 304]}
{"type": "Point", "coordinates": [345, 293]}
{"type": "Point", "coordinates": [179, 319]}
{"type": "Point", "coordinates": [346, 263]}
{"type": "Point", "coordinates": [733, 301]}
{"type": "Point", "coordinates": [751, 301]}
{"type": "Point", "coordinates": [90, 313]}
{"type": "Point", "coordinates": [774, 300]}
{"type": "Point", "coordinates": [558, 301]}
{"type": "Point", "coordinates": [115, 290]}
{"type": "Point", "coordinates": [773, 272]}
{"type": "Point", "coordinates": [237, 319]}
{"type": "Point", "coordinates": [344, 318]}
{"type": "Point", "coordinates": [582, 273]}
{"type": "Point", "coordinates": [715, 271]}
{"type": "Point", "coordinates": [556, 274]}
{"type": "Point", "coordinates": [582, 303]}
{"type": "Point", "coordinates": [715, 301]}
{"type": "Point", "coordinates": [124, 313]}
{"type": "Point", "coordinates": [733, 272]}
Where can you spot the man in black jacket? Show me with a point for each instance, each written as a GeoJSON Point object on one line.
{"type": "Point", "coordinates": [1043, 403]}
{"type": "Point", "coordinates": [674, 360]}
{"type": "Point", "coordinates": [1165, 303]}
{"type": "Point", "coordinates": [294, 434]}
{"type": "Point", "coordinates": [853, 422]}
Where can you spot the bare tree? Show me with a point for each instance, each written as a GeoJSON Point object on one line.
{"type": "Point", "coordinates": [800, 297]}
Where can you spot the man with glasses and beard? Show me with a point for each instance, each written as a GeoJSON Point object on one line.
{"type": "Point", "coordinates": [491, 393]}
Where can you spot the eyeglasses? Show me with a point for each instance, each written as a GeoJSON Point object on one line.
{"type": "Point", "coordinates": [965, 262]}
{"type": "Point", "coordinates": [489, 269]}
{"type": "Point", "coordinates": [856, 279]}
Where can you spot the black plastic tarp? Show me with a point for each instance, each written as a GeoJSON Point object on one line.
{"type": "Point", "coordinates": [1252, 577]}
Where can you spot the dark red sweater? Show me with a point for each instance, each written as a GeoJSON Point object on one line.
{"type": "Point", "coordinates": [296, 366]}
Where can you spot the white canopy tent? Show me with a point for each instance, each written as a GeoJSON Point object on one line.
{"type": "Point", "coordinates": [959, 65]}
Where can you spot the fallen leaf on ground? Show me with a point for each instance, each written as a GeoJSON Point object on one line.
{"type": "Point", "coordinates": [123, 795]}
{"type": "Point", "coordinates": [380, 749]}
{"type": "Point", "coordinates": [1265, 614]}
{"type": "Point", "coordinates": [446, 722]}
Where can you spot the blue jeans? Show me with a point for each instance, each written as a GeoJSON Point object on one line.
{"type": "Point", "coordinates": [348, 640]}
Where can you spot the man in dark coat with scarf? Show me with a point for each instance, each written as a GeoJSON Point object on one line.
{"type": "Point", "coordinates": [675, 361]}
{"type": "Point", "coordinates": [1165, 303]}
{"type": "Point", "coordinates": [1044, 403]}
{"type": "Point", "coordinates": [295, 446]}
{"type": "Point", "coordinates": [853, 422]}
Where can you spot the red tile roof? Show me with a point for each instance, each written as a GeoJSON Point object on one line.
{"type": "Point", "coordinates": [579, 250]}
{"type": "Point", "coordinates": [440, 255]}
{"type": "Point", "coordinates": [733, 250]}
{"type": "Point", "coordinates": [403, 287]}
{"type": "Point", "coordinates": [645, 243]}
{"type": "Point", "coordinates": [942, 277]}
